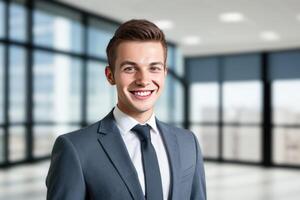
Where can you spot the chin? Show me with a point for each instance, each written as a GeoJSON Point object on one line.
{"type": "Point", "coordinates": [143, 109]}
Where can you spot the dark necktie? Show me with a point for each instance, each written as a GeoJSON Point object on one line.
{"type": "Point", "coordinates": [152, 176]}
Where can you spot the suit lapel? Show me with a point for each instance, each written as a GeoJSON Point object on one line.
{"type": "Point", "coordinates": [113, 144]}
{"type": "Point", "coordinates": [171, 144]}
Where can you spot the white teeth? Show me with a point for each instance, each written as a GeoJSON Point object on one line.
{"type": "Point", "coordinates": [142, 94]}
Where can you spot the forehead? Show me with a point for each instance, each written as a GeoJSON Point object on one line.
{"type": "Point", "coordinates": [140, 50]}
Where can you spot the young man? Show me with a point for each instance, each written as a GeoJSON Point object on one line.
{"type": "Point", "coordinates": [129, 154]}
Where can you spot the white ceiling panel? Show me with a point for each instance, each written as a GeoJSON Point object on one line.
{"type": "Point", "coordinates": [201, 18]}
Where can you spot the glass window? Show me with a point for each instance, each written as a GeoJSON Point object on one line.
{"type": "Point", "coordinates": [17, 21]}
{"type": "Point", "coordinates": [100, 93]}
{"type": "Point", "coordinates": [175, 60]}
{"type": "Point", "coordinates": [1, 145]}
{"type": "Point", "coordinates": [179, 62]}
{"type": "Point", "coordinates": [169, 107]}
{"type": "Point", "coordinates": [57, 88]}
{"type": "Point", "coordinates": [208, 139]}
{"type": "Point", "coordinates": [242, 143]}
{"type": "Point", "coordinates": [286, 98]}
{"type": "Point", "coordinates": [204, 101]}
{"type": "Point", "coordinates": [17, 143]}
{"type": "Point", "coordinates": [242, 102]}
{"type": "Point", "coordinates": [163, 105]}
{"type": "Point", "coordinates": [286, 145]}
{"type": "Point", "coordinates": [1, 85]}
{"type": "Point", "coordinates": [177, 101]}
{"type": "Point", "coordinates": [286, 111]}
{"type": "Point", "coordinates": [56, 27]}
{"type": "Point", "coordinates": [99, 34]}
{"type": "Point", "coordinates": [2, 19]}
{"type": "Point", "coordinates": [44, 137]}
{"type": "Point", "coordinates": [17, 84]}
{"type": "Point", "coordinates": [171, 57]}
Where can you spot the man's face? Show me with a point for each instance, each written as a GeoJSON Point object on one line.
{"type": "Point", "coordinates": [139, 76]}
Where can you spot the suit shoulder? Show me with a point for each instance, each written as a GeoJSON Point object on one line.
{"type": "Point", "coordinates": [82, 134]}
{"type": "Point", "coordinates": [178, 131]}
{"type": "Point", "coordinates": [82, 142]}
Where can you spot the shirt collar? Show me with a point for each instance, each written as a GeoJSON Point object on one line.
{"type": "Point", "coordinates": [126, 123]}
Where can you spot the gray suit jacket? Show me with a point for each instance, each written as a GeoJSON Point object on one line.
{"type": "Point", "coordinates": [93, 163]}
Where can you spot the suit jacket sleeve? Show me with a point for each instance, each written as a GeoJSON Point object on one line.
{"type": "Point", "coordinates": [65, 178]}
{"type": "Point", "coordinates": [199, 185]}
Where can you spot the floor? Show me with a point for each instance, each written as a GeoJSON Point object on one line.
{"type": "Point", "coordinates": [224, 182]}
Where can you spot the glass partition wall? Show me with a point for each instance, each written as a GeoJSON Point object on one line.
{"type": "Point", "coordinates": [52, 61]}
{"type": "Point", "coordinates": [225, 106]}
{"type": "Point", "coordinates": [245, 108]}
{"type": "Point", "coordinates": [285, 85]}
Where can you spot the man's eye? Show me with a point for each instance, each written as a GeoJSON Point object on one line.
{"type": "Point", "coordinates": [129, 69]}
{"type": "Point", "coordinates": [155, 69]}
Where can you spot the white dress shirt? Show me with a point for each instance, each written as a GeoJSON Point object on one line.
{"type": "Point", "coordinates": [125, 123]}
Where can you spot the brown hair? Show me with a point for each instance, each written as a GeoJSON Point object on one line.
{"type": "Point", "coordinates": [134, 30]}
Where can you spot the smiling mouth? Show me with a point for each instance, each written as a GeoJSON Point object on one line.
{"type": "Point", "coordinates": [141, 94]}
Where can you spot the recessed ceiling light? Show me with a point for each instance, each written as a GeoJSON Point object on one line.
{"type": "Point", "coordinates": [232, 17]}
{"type": "Point", "coordinates": [191, 40]}
{"type": "Point", "coordinates": [269, 36]}
{"type": "Point", "coordinates": [164, 24]}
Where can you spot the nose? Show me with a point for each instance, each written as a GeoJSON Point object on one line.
{"type": "Point", "coordinates": [142, 78]}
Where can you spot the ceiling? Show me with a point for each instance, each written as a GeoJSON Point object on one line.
{"type": "Point", "coordinates": [201, 18]}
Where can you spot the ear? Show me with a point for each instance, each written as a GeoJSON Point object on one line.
{"type": "Point", "coordinates": [109, 75]}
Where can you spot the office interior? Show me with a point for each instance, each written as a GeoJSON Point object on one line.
{"type": "Point", "coordinates": [242, 103]}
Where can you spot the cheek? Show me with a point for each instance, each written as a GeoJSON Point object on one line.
{"type": "Point", "coordinates": [124, 84]}
{"type": "Point", "coordinates": [159, 80]}
{"type": "Point", "coordinates": [122, 81]}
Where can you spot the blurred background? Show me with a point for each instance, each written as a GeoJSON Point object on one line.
{"type": "Point", "coordinates": [234, 81]}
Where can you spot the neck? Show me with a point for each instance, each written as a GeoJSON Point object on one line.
{"type": "Point", "coordinates": [141, 117]}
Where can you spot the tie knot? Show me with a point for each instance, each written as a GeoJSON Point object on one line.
{"type": "Point", "coordinates": [142, 131]}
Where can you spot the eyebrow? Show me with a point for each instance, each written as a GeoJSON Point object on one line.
{"type": "Point", "coordinates": [127, 63]}
{"type": "Point", "coordinates": [157, 63]}
{"type": "Point", "coordinates": [135, 64]}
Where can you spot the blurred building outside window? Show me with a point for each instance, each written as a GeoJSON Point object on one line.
{"type": "Point", "coordinates": [2, 19]}
{"type": "Point", "coordinates": [99, 34]}
{"type": "Point", "coordinates": [286, 121]}
{"type": "Point", "coordinates": [1, 84]}
{"type": "Point", "coordinates": [101, 98]}
{"type": "Point", "coordinates": [242, 111]}
{"type": "Point", "coordinates": [17, 21]}
{"type": "Point", "coordinates": [204, 116]}
{"type": "Point", "coordinates": [57, 28]}
{"type": "Point", "coordinates": [17, 102]}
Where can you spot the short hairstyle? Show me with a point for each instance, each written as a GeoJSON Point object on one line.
{"type": "Point", "coordinates": [134, 30]}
